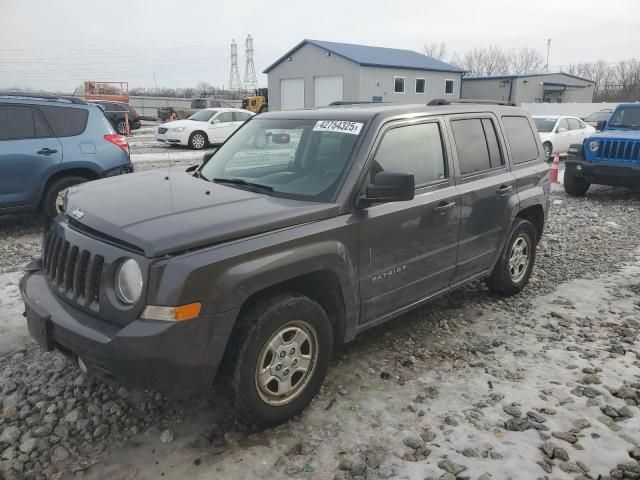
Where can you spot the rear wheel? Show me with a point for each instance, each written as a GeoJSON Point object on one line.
{"type": "Point", "coordinates": [513, 269]}
{"type": "Point", "coordinates": [53, 198]}
{"type": "Point", "coordinates": [121, 127]}
{"type": "Point", "coordinates": [198, 140]}
{"type": "Point", "coordinates": [575, 186]}
{"type": "Point", "coordinates": [280, 360]}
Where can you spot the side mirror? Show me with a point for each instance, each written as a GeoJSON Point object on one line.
{"type": "Point", "coordinates": [390, 187]}
{"type": "Point", "coordinates": [601, 124]}
{"type": "Point", "coordinates": [215, 120]}
{"type": "Point", "coordinates": [206, 157]}
{"type": "Point", "coordinates": [562, 130]}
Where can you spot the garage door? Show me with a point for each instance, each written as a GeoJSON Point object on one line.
{"type": "Point", "coordinates": [327, 89]}
{"type": "Point", "coordinates": [291, 93]}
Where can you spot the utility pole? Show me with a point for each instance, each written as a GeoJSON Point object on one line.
{"type": "Point", "coordinates": [250, 80]}
{"type": "Point", "coordinates": [234, 75]}
{"type": "Point", "coordinates": [156, 83]}
{"type": "Point", "coordinates": [546, 67]}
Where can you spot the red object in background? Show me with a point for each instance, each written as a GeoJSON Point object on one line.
{"type": "Point", "coordinates": [114, 91]}
{"type": "Point", "coordinates": [555, 165]}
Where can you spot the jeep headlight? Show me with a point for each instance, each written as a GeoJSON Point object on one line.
{"type": "Point", "coordinates": [129, 281]}
{"type": "Point", "coordinates": [177, 129]}
{"type": "Point", "coordinates": [594, 145]}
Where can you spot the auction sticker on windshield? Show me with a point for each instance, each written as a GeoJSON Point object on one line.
{"type": "Point", "coordinates": [352, 128]}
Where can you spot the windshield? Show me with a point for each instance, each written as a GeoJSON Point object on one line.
{"type": "Point", "coordinates": [301, 159]}
{"type": "Point", "coordinates": [625, 117]}
{"type": "Point", "coordinates": [545, 124]}
{"type": "Point", "coordinates": [202, 115]}
{"type": "Point", "coordinates": [597, 117]}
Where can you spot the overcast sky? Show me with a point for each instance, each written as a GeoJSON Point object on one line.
{"type": "Point", "coordinates": [55, 45]}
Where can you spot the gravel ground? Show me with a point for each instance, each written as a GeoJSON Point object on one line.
{"type": "Point", "coordinates": [541, 385]}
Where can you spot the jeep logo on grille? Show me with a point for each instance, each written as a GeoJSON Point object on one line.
{"type": "Point", "coordinates": [77, 214]}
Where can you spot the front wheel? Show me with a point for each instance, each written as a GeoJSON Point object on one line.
{"type": "Point", "coordinates": [513, 269]}
{"type": "Point", "coordinates": [575, 186]}
{"type": "Point", "coordinates": [198, 140]}
{"type": "Point", "coordinates": [280, 361]}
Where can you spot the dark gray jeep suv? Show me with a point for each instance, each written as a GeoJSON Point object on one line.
{"type": "Point", "coordinates": [304, 229]}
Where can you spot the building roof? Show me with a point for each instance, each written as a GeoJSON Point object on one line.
{"type": "Point", "coordinates": [376, 57]}
{"type": "Point", "coordinates": [525, 75]}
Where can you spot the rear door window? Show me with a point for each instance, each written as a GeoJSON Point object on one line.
{"type": "Point", "coordinates": [522, 141]}
{"type": "Point", "coordinates": [19, 122]}
{"type": "Point", "coordinates": [65, 121]}
{"type": "Point", "coordinates": [471, 145]}
{"type": "Point", "coordinates": [225, 117]}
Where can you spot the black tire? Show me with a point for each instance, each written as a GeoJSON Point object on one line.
{"type": "Point", "coordinates": [121, 127]}
{"type": "Point", "coordinates": [240, 383]}
{"type": "Point", "coordinates": [548, 150]}
{"type": "Point", "coordinates": [195, 142]}
{"type": "Point", "coordinates": [507, 279]}
{"type": "Point", "coordinates": [49, 205]}
{"type": "Point", "coordinates": [575, 186]}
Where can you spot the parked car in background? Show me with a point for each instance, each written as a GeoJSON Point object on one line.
{"type": "Point", "coordinates": [115, 111]}
{"type": "Point", "coordinates": [557, 132]}
{"type": "Point", "coordinates": [610, 157]}
{"type": "Point", "coordinates": [597, 119]}
{"type": "Point", "coordinates": [251, 269]}
{"type": "Point", "coordinates": [47, 145]}
{"type": "Point", "coordinates": [210, 126]}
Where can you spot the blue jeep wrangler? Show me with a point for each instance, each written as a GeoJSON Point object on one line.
{"type": "Point", "coordinates": [47, 145]}
{"type": "Point", "coordinates": [610, 157]}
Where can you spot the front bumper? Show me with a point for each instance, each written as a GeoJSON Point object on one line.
{"type": "Point", "coordinates": [175, 138]}
{"type": "Point", "coordinates": [178, 358]}
{"type": "Point", "coordinates": [615, 175]}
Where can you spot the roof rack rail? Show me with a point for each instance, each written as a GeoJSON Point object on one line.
{"type": "Point", "coordinates": [441, 101]}
{"type": "Point", "coordinates": [338, 103]}
{"type": "Point", "coordinates": [38, 96]}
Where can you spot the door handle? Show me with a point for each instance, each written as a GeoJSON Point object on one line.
{"type": "Point", "coordinates": [444, 207]}
{"type": "Point", "coordinates": [46, 151]}
{"type": "Point", "coordinates": [504, 189]}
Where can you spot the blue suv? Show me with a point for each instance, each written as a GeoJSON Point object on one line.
{"type": "Point", "coordinates": [611, 157]}
{"type": "Point", "coordinates": [47, 145]}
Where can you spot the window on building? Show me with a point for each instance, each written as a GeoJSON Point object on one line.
{"type": "Point", "coordinates": [414, 149]}
{"type": "Point", "coordinates": [448, 87]}
{"type": "Point", "coordinates": [420, 85]}
{"type": "Point", "coordinates": [521, 139]}
{"type": "Point", "coordinates": [65, 121]}
{"type": "Point", "coordinates": [398, 84]}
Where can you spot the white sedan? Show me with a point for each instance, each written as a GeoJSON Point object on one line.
{"type": "Point", "coordinates": [558, 132]}
{"type": "Point", "coordinates": [210, 126]}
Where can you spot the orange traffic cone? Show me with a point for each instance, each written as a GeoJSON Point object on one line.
{"type": "Point", "coordinates": [555, 165]}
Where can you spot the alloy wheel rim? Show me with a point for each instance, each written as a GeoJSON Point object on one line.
{"type": "Point", "coordinates": [519, 258]}
{"type": "Point", "coordinates": [60, 200]}
{"type": "Point", "coordinates": [286, 363]}
{"type": "Point", "coordinates": [122, 128]}
{"type": "Point", "coordinates": [198, 141]}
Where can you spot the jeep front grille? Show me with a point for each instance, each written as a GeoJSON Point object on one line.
{"type": "Point", "coordinates": [619, 151]}
{"type": "Point", "coordinates": [73, 272]}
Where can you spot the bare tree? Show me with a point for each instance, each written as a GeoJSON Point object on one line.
{"type": "Point", "coordinates": [495, 61]}
{"type": "Point", "coordinates": [436, 50]}
{"type": "Point", "coordinates": [525, 60]}
{"type": "Point", "coordinates": [203, 89]}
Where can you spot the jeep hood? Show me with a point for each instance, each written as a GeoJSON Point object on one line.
{"type": "Point", "coordinates": [164, 211]}
{"type": "Point", "coordinates": [616, 135]}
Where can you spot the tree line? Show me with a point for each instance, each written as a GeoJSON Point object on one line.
{"type": "Point", "coordinates": [618, 81]}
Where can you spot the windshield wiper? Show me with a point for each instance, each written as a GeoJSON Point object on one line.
{"type": "Point", "coordinates": [250, 185]}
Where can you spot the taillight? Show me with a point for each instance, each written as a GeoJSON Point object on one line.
{"type": "Point", "coordinates": [118, 140]}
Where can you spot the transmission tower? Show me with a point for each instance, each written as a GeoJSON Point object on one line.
{"type": "Point", "coordinates": [234, 76]}
{"type": "Point", "coordinates": [250, 80]}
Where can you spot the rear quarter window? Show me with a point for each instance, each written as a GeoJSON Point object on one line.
{"type": "Point", "coordinates": [522, 141]}
{"type": "Point", "coordinates": [65, 121]}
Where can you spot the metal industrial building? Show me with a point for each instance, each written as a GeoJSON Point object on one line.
{"type": "Point", "coordinates": [315, 73]}
{"type": "Point", "coordinates": [530, 88]}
